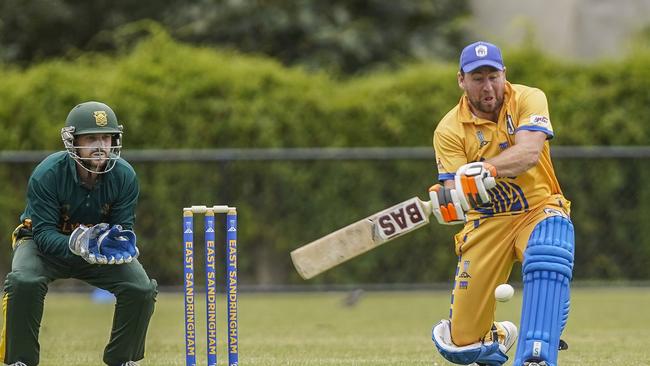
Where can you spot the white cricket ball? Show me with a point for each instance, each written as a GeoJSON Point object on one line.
{"type": "Point", "coordinates": [504, 292]}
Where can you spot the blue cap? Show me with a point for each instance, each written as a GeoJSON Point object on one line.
{"type": "Point", "coordinates": [481, 54]}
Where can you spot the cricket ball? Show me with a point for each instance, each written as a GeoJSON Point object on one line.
{"type": "Point", "coordinates": [503, 292]}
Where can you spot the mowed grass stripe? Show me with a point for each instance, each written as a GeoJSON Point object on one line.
{"type": "Point", "coordinates": [608, 326]}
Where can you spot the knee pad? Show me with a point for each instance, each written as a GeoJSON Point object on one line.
{"type": "Point", "coordinates": [547, 273]}
{"type": "Point", "coordinates": [486, 353]}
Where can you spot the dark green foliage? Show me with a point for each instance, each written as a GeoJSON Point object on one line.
{"type": "Point", "coordinates": [341, 35]}
{"type": "Point", "coordinates": [170, 95]}
{"type": "Point", "coordinates": [39, 29]}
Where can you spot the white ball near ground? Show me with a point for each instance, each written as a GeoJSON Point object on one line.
{"type": "Point", "coordinates": [504, 292]}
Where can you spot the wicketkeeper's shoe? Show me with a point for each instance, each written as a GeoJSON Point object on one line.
{"type": "Point", "coordinates": [506, 334]}
{"type": "Point", "coordinates": [17, 364]}
{"type": "Point", "coordinates": [130, 363]}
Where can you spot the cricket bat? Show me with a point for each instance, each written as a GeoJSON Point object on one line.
{"type": "Point", "coordinates": [355, 239]}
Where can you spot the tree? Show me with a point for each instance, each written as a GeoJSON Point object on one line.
{"type": "Point", "coordinates": [340, 35]}
{"type": "Point", "coordinates": [35, 30]}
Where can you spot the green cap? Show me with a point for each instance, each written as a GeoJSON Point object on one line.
{"type": "Point", "coordinates": [92, 117]}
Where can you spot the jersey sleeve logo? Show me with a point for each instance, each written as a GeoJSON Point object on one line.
{"type": "Point", "coordinates": [441, 168]}
{"type": "Point", "coordinates": [539, 120]}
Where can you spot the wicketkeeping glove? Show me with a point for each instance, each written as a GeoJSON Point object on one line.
{"type": "Point", "coordinates": [83, 242]}
{"type": "Point", "coordinates": [118, 245]}
{"type": "Point", "coordinates": [446, 205]}
{"type": "Point", "coordinates": [473, 181]}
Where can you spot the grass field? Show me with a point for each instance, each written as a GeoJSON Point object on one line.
{"type": "Point", "coordinates": [607, 327]}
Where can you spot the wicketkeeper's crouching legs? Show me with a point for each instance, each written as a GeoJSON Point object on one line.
{"type": "Point", "coordinates": [26, 287]}
{"type": "Point", "coordinates": [22, 304]}
{"type": "Point", "coordinates": [135, 300]}
{"type": "Point", "coordinates": [547, 273]}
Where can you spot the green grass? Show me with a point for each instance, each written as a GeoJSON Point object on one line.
{"type": "Point", "coordinates": [607, 327]}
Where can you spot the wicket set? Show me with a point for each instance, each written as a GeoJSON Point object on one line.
{"type": "Point", "coordinates": [211, 283]}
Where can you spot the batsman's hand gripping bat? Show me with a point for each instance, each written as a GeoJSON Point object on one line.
{"type": "Point", "coordinates": [346, 243]}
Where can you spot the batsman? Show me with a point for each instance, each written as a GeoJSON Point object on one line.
{"type": "Point", "coordinates": [78, 223]}
{"type": "Point", "coordinates": [497, 180]}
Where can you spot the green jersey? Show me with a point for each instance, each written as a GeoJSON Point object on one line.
{"type": "Point", "coordinates": [57, 202]}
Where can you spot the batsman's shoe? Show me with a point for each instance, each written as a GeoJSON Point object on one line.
{"type": "Point", "coordinates": [563, 346]}
{"type": "Point", "coordinates": [491, 350]}
{"type": "Point", "coordinates": [130, 363]}
{"type": "Point", "coordinates": [18, 364]}
{"type": "Point", "coordinates": [506, 334]}
{"type": "Point", "coordinates": [535, 363]}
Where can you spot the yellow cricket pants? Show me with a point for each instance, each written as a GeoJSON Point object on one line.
{"type": "Point", "coordinates": [487, 249]}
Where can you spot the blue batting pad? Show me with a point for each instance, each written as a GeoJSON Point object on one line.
{"type": "Point", "coordinates": [547, 273]}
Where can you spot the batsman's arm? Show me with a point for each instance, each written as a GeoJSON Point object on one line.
{"type": "Point", "coordinates": [520, 157]}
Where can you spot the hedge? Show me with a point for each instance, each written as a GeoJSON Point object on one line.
{"type": "Point", "coordinates": [171, 95]}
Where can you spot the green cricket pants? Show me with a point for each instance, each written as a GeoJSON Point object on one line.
{"type": "Point", "coordinates": [27, 284]}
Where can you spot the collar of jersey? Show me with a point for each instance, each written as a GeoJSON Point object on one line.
{"type": "Point", "coordinates": [465, 115]}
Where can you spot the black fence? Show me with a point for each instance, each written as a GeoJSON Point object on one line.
{"type": "Point", "coordinates": [287, 197]}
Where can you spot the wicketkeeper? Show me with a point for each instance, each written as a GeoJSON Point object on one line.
{"type": "Point", "coordinates": [497, 180]}
{"type": "Point", "coordinates": [78, 223]}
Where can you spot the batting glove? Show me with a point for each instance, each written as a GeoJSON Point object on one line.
{"type": "Point", "coordinates": [473, 181]}
{"type": "Point", "coordinates": [446, 205]}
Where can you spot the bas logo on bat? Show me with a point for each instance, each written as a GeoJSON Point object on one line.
{"type": "Point", "coordinates": [357, 238]}
{"type": "Point", "coordinates": [399, 219]}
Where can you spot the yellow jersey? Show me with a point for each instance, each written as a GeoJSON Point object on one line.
{"type": "Point", "coordinates": [461, 138]}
